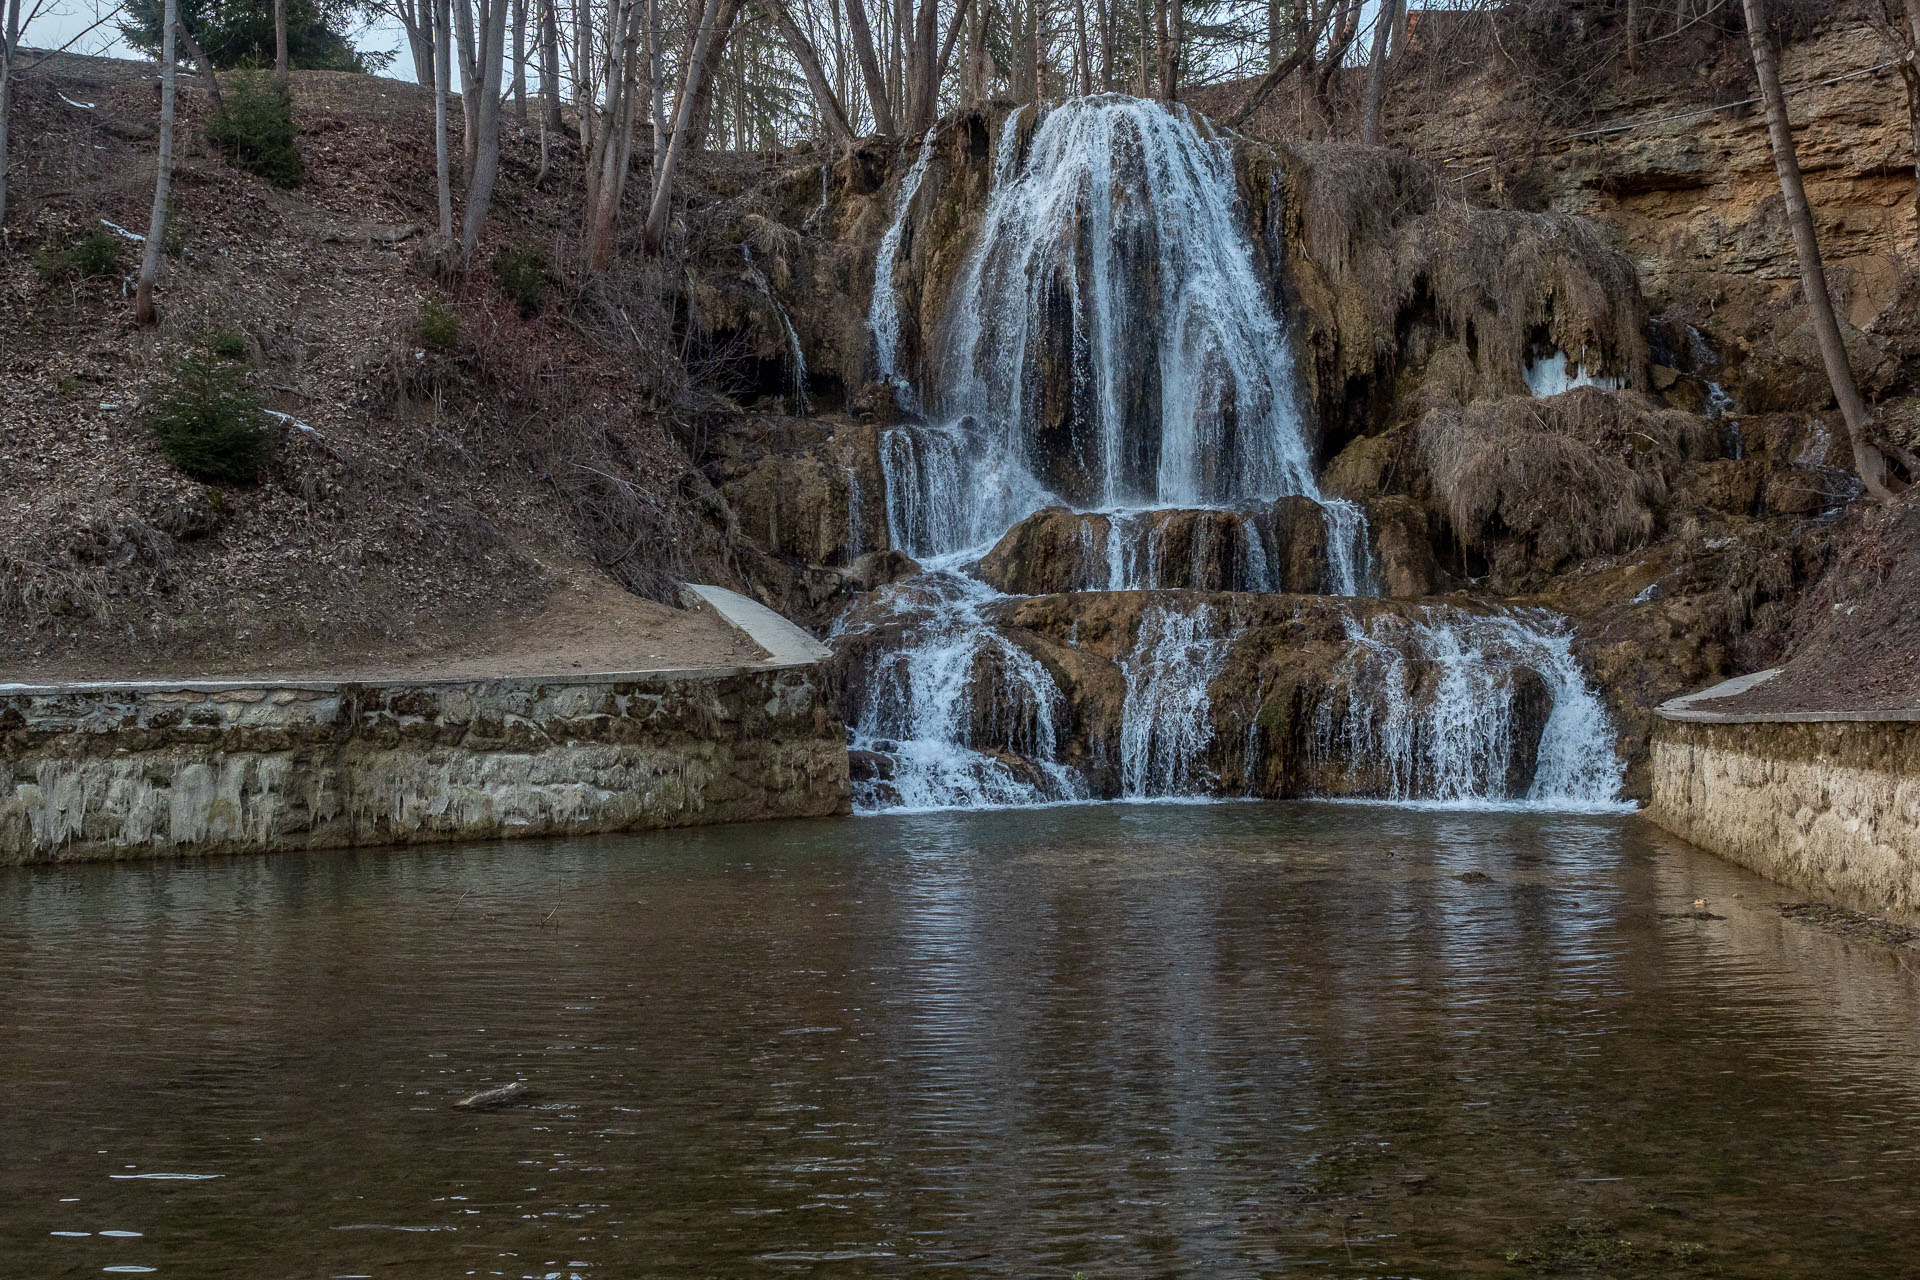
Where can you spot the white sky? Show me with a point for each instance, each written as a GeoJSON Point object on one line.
{"type": "Point", "coordinates": [61, 20]}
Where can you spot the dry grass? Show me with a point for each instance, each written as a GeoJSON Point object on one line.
{"type": "Point", "coordinates": [1406, 271]}
{"type": "Point", "coordinates": [1563, 478]}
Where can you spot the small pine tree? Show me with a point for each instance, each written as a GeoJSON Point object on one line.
{"type": "Point", "coordinates": [523, 276]}
{"type": "Point", "coordinates": [438, 326]}
{"type": "Point", "coordinates": [208, 423]}
{"type": "Point", "coordinates": [95, 258]}
{"type": "Point", "coordinates": [256, 129]}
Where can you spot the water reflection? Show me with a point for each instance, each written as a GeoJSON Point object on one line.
{"type": "Point", "coordinates": [1128, 1040]}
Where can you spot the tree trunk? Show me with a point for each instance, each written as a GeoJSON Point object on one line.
{"type": "Point", "coordinates": [1035, 73]}
{"type": "Point", "coordinates": [925, 61]}
{"type": "Point", "coordinates": [657, 81]}
{"type": "Point", "coordinates": [832, 114]}
{"type": "Point", "coordinates": [163, 172]}
{"type": "Point", "coordinates": [1143, 72]}
{"type": "Point", "coordinates": [582, 60]}
{"type": "Point", "coordinates": [973, 73]}
{"type": "Point", "coordinates": [442, 89]}
{"type": "Point", "coordinates": [486, 166]}
{"type": "Point", "coordinates": [199, 56]}
{"type": "Point", "coordinates": [1346, 29]}
{"type": "Point", "coordinates": [1305, 38]}
{"type": "Point", "coordinates": [282, 66]}
{"type": "Point", "coordinates": [549, 71]}
{"type": "Point", "coordinates": [9, 46]}
{"type": "Point", "coordinates": [1377, 74]}
{"type": "Point", "coordinates": [1106, 11]}
{"type": "Point", "coordinates": [469, 51]}
{"type": "Point", "coordinates": [1867, 458]}
{"type": "Point", "coordinates": [709, 76]}
{"type": "Point", "coordinates": [416, 16]}
{"type": "Point", "coordinates": [938, 53]}
{"type": "Point", "coordinates": [520, 59]}
{"type": "Point", "coordinates": [883, 121]}
{"type": "Point", "coordinates": [656, 234]}
{"type": "Point", "coordinates": [1082, 47]}
{"type": "Point", "coordinates": [607, 163]}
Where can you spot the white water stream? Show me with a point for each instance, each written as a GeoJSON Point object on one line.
{"type": "Point", "coordinates": [1110, 347]}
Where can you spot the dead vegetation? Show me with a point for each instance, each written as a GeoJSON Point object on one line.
{"type": "Point", "coordinates": [416, 488]}
{"type": "Point", "coordinates": [1405, 281]}
{"type": "Point", "coordinates": [1534, 484]}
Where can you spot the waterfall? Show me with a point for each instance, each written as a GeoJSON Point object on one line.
{"type": "Point", "coordinates": [1121, 228]}
{"type": "Point", "coordinates": [796, 358]}
{"type": "Point", "coordinates": [1166, 722]}
{"type": "Point", "coordinates": [1431, 708]}
{"type": "Point", "coordinates": [952, 703]}
{"type": "Point", "coordinates": [883, 311]}
{"type": "Point", "coordinates": [1109, 347]}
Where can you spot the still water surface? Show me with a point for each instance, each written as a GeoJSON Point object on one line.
{"type": "Point", "coordinates": [1156, 1040]}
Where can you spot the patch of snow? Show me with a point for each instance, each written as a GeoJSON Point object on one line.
{"type": "Point", "coordinates": [289, 418]}
{"type": "Point", "coordinates": [84, 106]}
{"type": "Point", "coordinates": [117, 229]}
{"type": "Point", "coordinates": [1551, 375]}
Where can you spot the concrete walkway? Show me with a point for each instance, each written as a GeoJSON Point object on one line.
{"type": "Point", "coordinates": [1688, 708]}
{"type": "Point", "coordinates": [786, 644]}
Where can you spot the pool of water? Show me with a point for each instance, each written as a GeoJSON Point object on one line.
{"type": "Point", "coordinates": [1152, 1040]}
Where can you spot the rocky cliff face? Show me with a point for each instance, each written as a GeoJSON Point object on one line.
{"type": "Point", "coordinates": [1690, 195]}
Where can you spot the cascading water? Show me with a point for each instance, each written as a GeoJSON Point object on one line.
{"type": "Point", "coordinates": [1109, 347]}
{"type": "Point", "coordinates": [796, 358]}
{"type": "Point", "coordinates": [950, 708]}
{"type": "Point", "coordinates": [1119, 227]}
{"type": "Point", "coordinates": [1455, 742]}
{"type": "Point", "coordinates": [883, 311]}
{"type": "Point", "coordinates": [1165, 722]}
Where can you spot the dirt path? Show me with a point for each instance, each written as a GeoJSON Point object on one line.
{"type": "Point", "coordinates": [588, 625]}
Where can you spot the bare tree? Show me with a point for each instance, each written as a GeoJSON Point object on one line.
{"type": "Point", "coordinates": [662, 203]}
{"type": "Point", "coordinates": [416, 19]}
{"type": "Point", "coordinates": [485, 112]}
{"type": "Point", "coordinates": [549, 66]}
{"type": "Point", "coordinates": [1307, 34]}
{"type": "Point", "coordinates": [163, 173]}
{"type": "Point", "coordinates": [9, 53]}
{"type": "Point", "coordinates": [862, 33]}
{"type": "Point", "coordinates": [1384, 22]}
{"type": "Point", "coordinates": [467, 49]}
{"type": "Point", "coordinates": [723, 26]}
{"type": "Point", "coordinates": [442, 87]}
{"type": "Point", "coordinates": [199, 56]}
{"type": "Point", "coordinates": [1168, 21]}
{"type": "Point", "coordinates": [826, 101]}
{"type": "Point", "coordinates": [1868, 460]}
{"type": "Point", "coordinates": [519, 20]}
{"type": "Point", "coordinates": [610, 158]}
{"type": "Point", "coordinates": [282, 65]}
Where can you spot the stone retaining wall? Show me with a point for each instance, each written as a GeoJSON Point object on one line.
{"type": "Point", "coordinates": [1828, 805]}
{"type": "Point", "coordinates": [91, 771]}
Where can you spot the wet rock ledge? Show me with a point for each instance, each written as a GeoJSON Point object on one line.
{"type": "Point", "coordinates": [1825, 801]}
{"type": "Point", "coordinates": [158, 769]}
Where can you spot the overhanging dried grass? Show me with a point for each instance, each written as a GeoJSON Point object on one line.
{"type": "Point", "coordinates": [1567, 477]}
{"type": "Point", "coordinates": [1403, 270]}
{"type": "Point", "coordinates": [1500, 280]}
